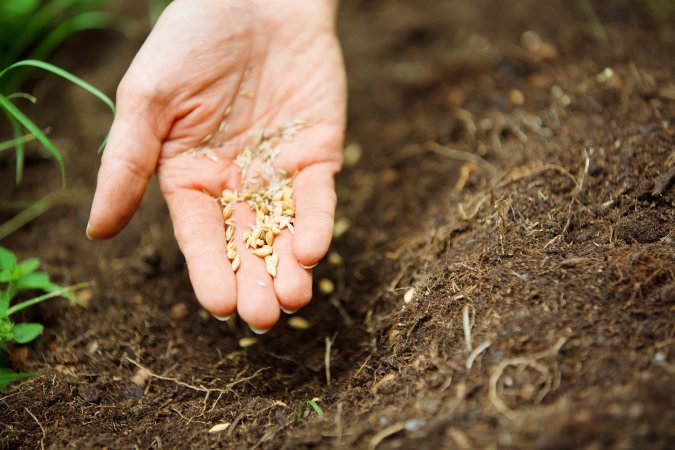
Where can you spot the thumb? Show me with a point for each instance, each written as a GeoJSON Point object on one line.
{"type": "Point", "coordinates": [128, 162]}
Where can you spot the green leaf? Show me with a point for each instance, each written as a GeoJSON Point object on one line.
{"type": "Point", "coordinates": [7, 259]}
{"type": "Point", "coordinates": [35, 280]}
{"type": "Point", "coordinates": [28, 266]}
{"type": "Point", "coordinates": [8, 375]}
{"type": "Point", "coordinates": [26, 332]}
{"type": "Point", "coordinates": [35, 130]}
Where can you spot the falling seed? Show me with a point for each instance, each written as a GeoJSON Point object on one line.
{"type": "Point", "coordinates": [326, 286]}
{"type": "Point", "coordinates": [408, 296]}
{"type": "Point", "coordinates": [298, 323]}
{"type": "Point", "coordinates": [334, 259]}
{"type": "Point", "coordinates": [352, 154]}
{"type": "Point", "coordinates": [247, 341]}
{"type": "Point", "coordinates": [235, 263]}
{"type": "Point", "coordinates": [219, 427]}
{"type": "Point", "coordinates": [341, 226]}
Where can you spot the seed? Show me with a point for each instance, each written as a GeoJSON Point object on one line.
{"type": "Point", "coordinates": [334, 259]}
{"type": "Point", "coordinates": [219, 427]}
{"type": "Point", "coordinates": [263, 251]}
{"type": "Point", "coordinates": [409, 294]}
{"type": "Point", "coordinates": [231, 254]}
{"type": "Point", "coordinates": [341, 226]}
{"type": "Point", "coordinates": [326, 286]}
{"type": "Point", "coordinates": [269, 236]}
{"type": "Point", "coordinates": [271, 263]}
{"type": "Point", "coordinates": [298, 323]}
{"type": "Point", "coordinates": [260, 243]}
{"type": "Point", "coordinates": [227, 211]}
{"type": "Point", "coordinates": [247, 342]}
{"type": "Point", "coordinates": [247, 234]}
{"type": "Point", "coordinates": [229, 233]}
{"type": "Point", "coordinates": [235, 263]}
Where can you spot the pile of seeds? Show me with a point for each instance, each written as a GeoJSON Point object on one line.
{"type": "Point", "coordinates": [269, 193]}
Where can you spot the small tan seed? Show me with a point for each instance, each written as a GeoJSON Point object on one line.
{"type": "Point", "coordinates": [271, 262]}
{"type": "Point", "coordinates": [269, 236]}
{"type": "Point", "coordinates": [235, 263]}
{"type": "Point", "coordinates": [263, 251]}
{"type": "Point", "coordinates": [247, 342]}
{"type": "Point", "coordinates": [227, 211]}
{"type": "Point", "coordinates": [229, 233]}
{"type": "Point", "coordinates": [326, 286]}
{"type": "Point", "coordinates": [298, 323]}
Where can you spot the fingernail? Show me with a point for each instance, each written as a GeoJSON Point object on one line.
{"type": "Point", "coordinates": [288, 311]}
{"type": "Point", "coordinates": [222, 318]}
{"type": "Point", "coordinates": [309, 267]}
{"type": "Point", "coordinates": [258, 331]}
{"type": "Point", "coordinates": [87, 232]}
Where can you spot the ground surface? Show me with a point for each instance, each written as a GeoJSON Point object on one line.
{"type": "Point", "coordinates": [517, 187]}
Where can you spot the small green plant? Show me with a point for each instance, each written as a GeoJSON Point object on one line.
{"type": "Point", "coordinates": [15, 279]}
{"type": "Point", "coordinates": [32, 29]}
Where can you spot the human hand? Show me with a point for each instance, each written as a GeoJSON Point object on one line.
{"type": "Point", "coordinates": [266, 63]}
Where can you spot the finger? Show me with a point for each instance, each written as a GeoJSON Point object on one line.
{"type": "Point", "coordinates": [200, 232]}
{"type": "Point", "coordinates": [293, 284]}
{"type": "Point", "coordinates": [257, 304]}
{"type": "Point", "coordinates": [127, 164]}
{"type": "Point", "coordinates": [315, 200]}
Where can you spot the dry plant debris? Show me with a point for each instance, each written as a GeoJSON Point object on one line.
{"type": "Point", "coordinates": [268, 192]}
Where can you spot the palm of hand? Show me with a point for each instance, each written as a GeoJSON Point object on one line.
{"type": "Point", "coordinates": [263, 70]}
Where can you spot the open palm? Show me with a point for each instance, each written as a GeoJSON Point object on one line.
{"type": "Point", "coordinates": [214, 72]}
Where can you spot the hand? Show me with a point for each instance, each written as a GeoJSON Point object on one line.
{"type": "Point", "coordinates": [266, 63]}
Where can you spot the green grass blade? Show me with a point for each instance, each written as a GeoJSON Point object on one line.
{"type": "Point", "coordinates": [63, 74]}
{"type": "Point", "coordinates": [315, 406]}
{"type": "Point", "coordinates": [34, 130]}
{"type": "Point", "coordinates": [24, 95]}
{"type": "Point", "coordinates": [20, 150]}
{"type": "Point", "coordinates": [42, 21]}
{"type": "Point", "coordinates": [12, 143]}
{"type": "Point", "coordinates": [67, 76]}
{"type": "Point", "coordinates": [36, 209]}
{"type": "Point", "coordinates": [34, 301]}
{"type": "Point", "coordinates": [81, 22]}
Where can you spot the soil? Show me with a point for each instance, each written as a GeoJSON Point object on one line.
{"type": "Point", "coordinates": [522, 190]}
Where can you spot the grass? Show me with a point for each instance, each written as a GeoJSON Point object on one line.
{"type": "Point", "coordinates": [17, 278]}
{"type": "Point", "coordinates": [19, 121]}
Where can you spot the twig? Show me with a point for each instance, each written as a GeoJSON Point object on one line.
{"type": "Point", "coordinates": [44, 435]}
{"type": "Point", "coordinates": [200, 388]}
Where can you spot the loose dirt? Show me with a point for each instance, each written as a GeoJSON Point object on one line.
{"type": "Point", "coordinates": [504, 277]}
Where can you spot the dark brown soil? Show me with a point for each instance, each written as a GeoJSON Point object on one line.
{"type": "Point", "coordinates": [527, 191]}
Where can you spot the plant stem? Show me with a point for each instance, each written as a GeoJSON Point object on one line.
{"type": "Point", "coordinates": [34, 301]}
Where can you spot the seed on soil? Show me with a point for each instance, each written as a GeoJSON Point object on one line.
{"type": "Point", "coordinates": [219, 427]}
{"type": "Point", "coordinates": [298, 323]}
{"type": "Point", "coordinates": [408, 296]}
{"type": "Point", "coordinates": [140, 377]}
{"type": "Point", "coordinates": [247, 341]}
{"type": "Point", "coordinates": [326, 286]}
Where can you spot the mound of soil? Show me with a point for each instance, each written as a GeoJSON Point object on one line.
{"type": "Point", "coordinates": [507, 278]}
